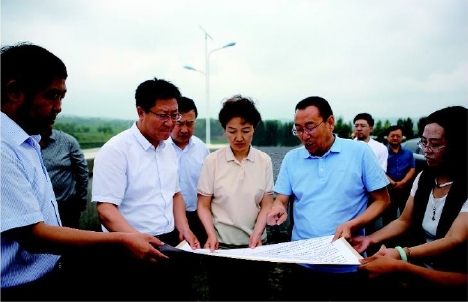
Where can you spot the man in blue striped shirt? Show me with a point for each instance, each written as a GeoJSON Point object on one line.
{"type": "Point", "coordinates": [33, 86]}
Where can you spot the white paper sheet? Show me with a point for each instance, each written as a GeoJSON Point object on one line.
{"type": "Point", "coordinates": [312, 251]}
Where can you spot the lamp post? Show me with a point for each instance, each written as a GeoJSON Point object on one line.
{"type": "Point", "coordinates": [206, 73]}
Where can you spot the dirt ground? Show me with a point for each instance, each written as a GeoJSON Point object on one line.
{"type": "Point", "coordinates": [277, 273]}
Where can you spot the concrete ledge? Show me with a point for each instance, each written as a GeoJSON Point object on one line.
{"type": "Point", "coordinates": [90, 154]}
{"type": "Point", "coordinates": [213, 147]}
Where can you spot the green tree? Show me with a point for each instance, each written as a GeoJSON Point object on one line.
{"type": "Point", "coordinates": [342, 129]}
{"type": "Point", "coordinates": [287, 139]}
{"type": "Point", "coordinates": [407, 126]}
{"type": "Point", "coordinates": [421, 123]}
{"type": "Point", "coordinates": [378, 132]}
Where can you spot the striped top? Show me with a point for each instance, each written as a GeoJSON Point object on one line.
{"type": "Point", "coordinates": [27, 198]}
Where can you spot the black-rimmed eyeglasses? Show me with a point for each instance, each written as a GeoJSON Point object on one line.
{"type": "Point", "coordinates": [166, 116]}
{"type": "Point", "coordinates": [307, 129]}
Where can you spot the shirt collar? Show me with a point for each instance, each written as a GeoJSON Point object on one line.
{"type": "Point", "coordinates": [13, 133]}
{"type": "Point", "coordinates": [335, 148]}
{"type": "Point", "coordinates": [400, 150]}
{"type": "Point", "coordinates": [53, 135]}
{"type": "Point", "coordinates": [230, 155]}
{"type": "Point", "coordinates": [190, 143]}
{"type": "Point", "coordinates": [144, 143]}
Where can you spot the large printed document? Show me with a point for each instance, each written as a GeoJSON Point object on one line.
{"type": "Point", "coordinates": [312, 251]}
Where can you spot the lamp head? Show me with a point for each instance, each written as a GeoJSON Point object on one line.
{"type": "Point", "coordinates": [189, 67]}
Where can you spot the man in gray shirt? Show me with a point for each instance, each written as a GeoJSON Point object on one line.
{"type": "Point", "coordinates": [68, 171]}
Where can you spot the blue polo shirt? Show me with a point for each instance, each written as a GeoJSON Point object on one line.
{"type": "Point", "coordinates": [329, 190]}
{"type": "Point", "coordinates": [398, 164]}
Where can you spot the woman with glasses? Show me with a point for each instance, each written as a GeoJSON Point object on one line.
{"type": "Point", "coordinates": [433, 228]}
{"type": "Point", "coordinates": [235, 193]}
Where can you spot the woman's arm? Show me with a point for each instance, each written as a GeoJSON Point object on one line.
{"type": "Point", "coordinates": [391, 230]}
{"type": "Point", "coordinates": [457, 234]}
{"type": "Point", "coordinates": [204, 213]}
{"type": "Point", "coordinates": [265, 207]}
{"type": "Point", "coordinates": [377, 265]}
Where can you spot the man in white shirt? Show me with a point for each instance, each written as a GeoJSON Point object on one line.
{"type": "Point", "coordinates": [363, 126]}
{"type": "Point", "coordinates": [191, 152]}
{"type": "Point", "coordinates": [136, 189]}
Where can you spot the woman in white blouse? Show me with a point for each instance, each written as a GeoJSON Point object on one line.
{"type": "Point", "coordinates": [433, 228]}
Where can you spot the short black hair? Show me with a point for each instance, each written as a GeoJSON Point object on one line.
{"type": "Point", "coordinates": [364, 116]}
{"type": "Point", "coordinates": [148, 92]}
{"type": "Point", "coordinates": [322, 105]}
{"type": "Point", "coordinates": [239, 106]}
{"type": "Point", "coordinates": [32, 67]}
{"type": "Point", "coordinates": [186, 104]}
{"type": "Point", "coordinates": [393, 128]}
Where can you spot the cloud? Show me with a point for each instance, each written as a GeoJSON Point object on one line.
{"type": "Point", "coordinates": [391, 58]}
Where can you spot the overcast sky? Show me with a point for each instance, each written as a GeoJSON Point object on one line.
{"type": "Point", "coordinates": [390, 58]}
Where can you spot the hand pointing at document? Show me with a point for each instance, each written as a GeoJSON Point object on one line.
{"type": "Point", "coordinates": [278, 213]}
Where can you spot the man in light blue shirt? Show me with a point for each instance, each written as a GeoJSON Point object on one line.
{"type": "Point", "coordinates": [191, 152]}
{"type": "Point", "coordinates": [331, 179]}
{"type": "Point", "coordinates": [33, 86]}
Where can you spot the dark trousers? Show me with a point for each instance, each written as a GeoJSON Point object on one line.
{"type": "Point", "coordinates": [304, 284]}
{"type": "Point", "coordinates": [109, 272]}
{"type": "Point", "coordinates": [237, 279]}
{"type": "Point", "coordinates": [418, 289]}
{"type": "Point", "coordinates": [398, 198]}
{"type": "Point", "coordinates": [196, 226]}
{"type": "Point", "coordinates": [70, 211]}
{"type": "Point", "coordinates": [372, 227]}
{"type": "Point", "coordinates": [48, 288]}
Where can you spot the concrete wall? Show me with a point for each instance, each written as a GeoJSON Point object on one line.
{"type": "Point", "coordinates": [90, 154]}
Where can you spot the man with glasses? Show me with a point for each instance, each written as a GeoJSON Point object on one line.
{"type": "Point", "coordinates": [136, 189]}
{"type": "Point", "coordinates": [330, 179]}
{"type": "Point", "coordinates": [363, 126]}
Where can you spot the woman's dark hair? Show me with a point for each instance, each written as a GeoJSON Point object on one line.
{"type": "Point", "coordinates": [454, 120]}
{"type": "Point", "coordinates": [239, 106]}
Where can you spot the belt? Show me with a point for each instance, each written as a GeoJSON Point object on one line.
{"type": "Point", "coordinates": [58, 268]}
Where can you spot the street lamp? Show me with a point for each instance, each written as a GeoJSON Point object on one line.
{"type": "Point", "coordinates": [206, 73]}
